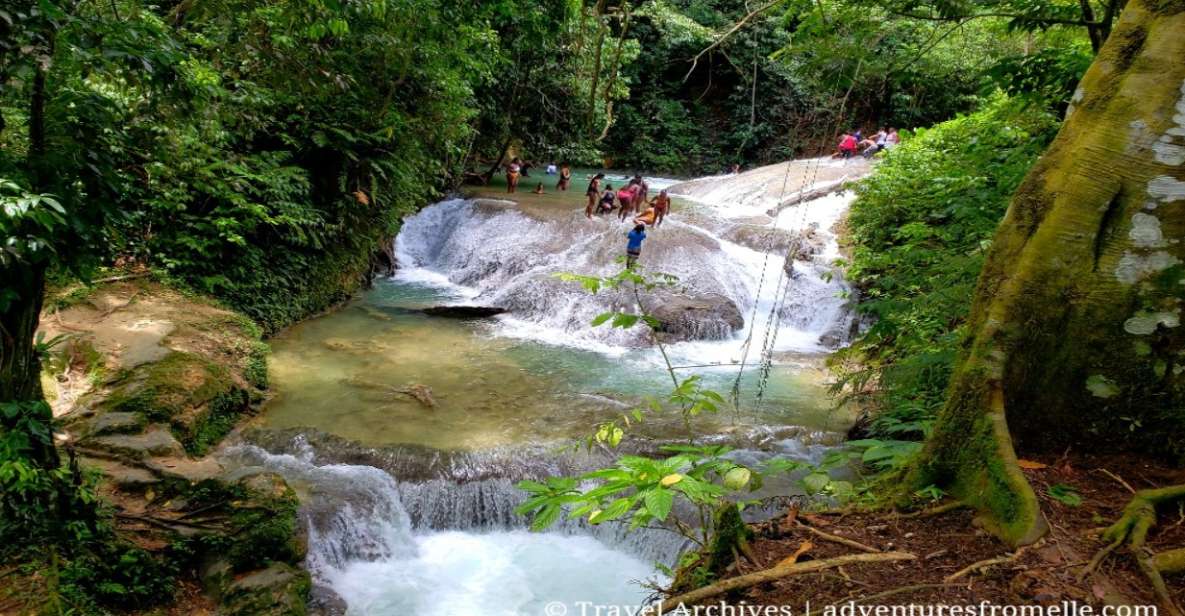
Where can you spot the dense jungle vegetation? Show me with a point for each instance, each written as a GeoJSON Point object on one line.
{"type": "Point", "coordinates": [264, 152]}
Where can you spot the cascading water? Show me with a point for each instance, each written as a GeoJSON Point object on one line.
{"type": "Point", "coordinates": [496, 253]}
{"type": "Point", "coordinates": [415, 548]}
{"type": "Point", "coordinates": [412, 513]}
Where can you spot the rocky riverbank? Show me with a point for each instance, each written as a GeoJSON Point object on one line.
{"type": "Point", "coordinates": [145, 381]}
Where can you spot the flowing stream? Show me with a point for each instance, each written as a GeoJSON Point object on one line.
{"type": "Point", "coordinates": [409, 503]}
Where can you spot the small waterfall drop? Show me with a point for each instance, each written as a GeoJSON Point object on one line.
{"type": "Point", "coordinates": [398, 526]}
{"type": "Point", "coordinates": [444, 545]}
{"type": "Point", "coordinates": [497, 253]}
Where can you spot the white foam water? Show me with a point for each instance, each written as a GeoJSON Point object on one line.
{"type": "Point", "coordinates": [383, 560]}
{"type": "Point", "coordinates": [501, 256]}
{"type": "Point", "coordinates": [510, 573]}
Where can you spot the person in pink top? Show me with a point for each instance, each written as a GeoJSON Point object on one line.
{"type": "Point", "coordinates": [625, 199]}
{"type": "Point", "coordinates": [847, 145]}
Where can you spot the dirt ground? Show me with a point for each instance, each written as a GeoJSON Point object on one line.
{"type": "Point", "coordinates": [1046, 573]}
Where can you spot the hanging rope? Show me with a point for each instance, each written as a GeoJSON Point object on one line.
{"type": "Point", "coordinates": [782, 287]}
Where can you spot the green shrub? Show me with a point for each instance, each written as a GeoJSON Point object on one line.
{"type": "Point", "coordinates": [920, 227]}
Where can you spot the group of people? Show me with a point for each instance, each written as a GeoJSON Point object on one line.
{"type": "Point", "coordinates": [855, 143]}
{"type": "Point", "coordinates": [629, 200]}
{"type": "Point", "coordinates": [518, 169]}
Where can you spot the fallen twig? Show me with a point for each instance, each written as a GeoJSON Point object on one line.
{"type": "Point", "coordinates": [775, 573]}
{"type": "Point", "coordinates": [837, 539]}
{"type": "Point", "coordinates": [976, 566]}
{"type": "Point", "coordinates": [1116, 478]}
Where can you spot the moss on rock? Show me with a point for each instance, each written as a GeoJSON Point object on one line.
{"type": "Point", "coordinates": [200, 400]}
{"type": "Point", "coordinates": [279, 590]}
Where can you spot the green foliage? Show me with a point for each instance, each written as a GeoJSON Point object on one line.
{"type": "Point", "coordinates": [919, 228]}
{"type": "Point", "coordinates": [27, 226]}
{"type": "Point", "coordinates": [118, 574]}
{"type": "Point", "coordinates": [692, 479]}
{"type": "Point", "coordinates": [1064, 494]}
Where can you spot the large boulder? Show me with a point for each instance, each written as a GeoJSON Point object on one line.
{"type": "Point", "coordinates": [278, 590]}
{"type": "Point", "coordinates": [704, 317]}
{"type": "Point", "coordinates": [199, 399]}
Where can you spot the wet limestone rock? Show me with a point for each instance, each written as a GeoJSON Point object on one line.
{"type": "Point", "coordinates": [706, 317]}
{"type": "Point", "coordinates": [156, 440]}
{"type": "Point", "coordinates": [278, 590]}
{"type": "Point", "coordinates": [199, 399]}
{"type": "Point", "coordinates": [117, 423]}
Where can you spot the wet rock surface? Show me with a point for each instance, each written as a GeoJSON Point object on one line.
{"type": "Point", "coordinates": [464, 312]}
{"type": "Point", "coordinates": [685, 317]}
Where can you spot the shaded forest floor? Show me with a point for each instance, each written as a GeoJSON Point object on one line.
{"type": "Point", "coordinates": [947, 544]}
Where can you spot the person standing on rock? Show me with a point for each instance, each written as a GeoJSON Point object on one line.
{"type": "Point", "coordinates": [593, 192]}
{"type": "Point", "coordinates": [625, 197]}
{"type": "Point", "coordinates": [661, 205]}
{"type": "Point", "coordinates": [641, 189]}
{"type": "Point", "coordinates": [633, 246]}
{"type": "Point", "coordinates": [565, 177]}
{"type": "Point", "coordinates": [512, 173]}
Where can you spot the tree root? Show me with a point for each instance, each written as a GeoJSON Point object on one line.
{"type": "Point", "coordinates": [774, 573]}
{"type": "Point", "coordinates": [1170, 562]}
{"type": "Point", "coordinates": [1139, 516]}
{"type": "Point", "coordinates": [932, 511]}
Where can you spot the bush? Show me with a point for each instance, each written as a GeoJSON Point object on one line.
{"type": "Point", "coordinates": [920, 227]}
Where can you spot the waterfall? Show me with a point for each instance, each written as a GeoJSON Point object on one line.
{"type": "Point", "coordinates": [383, 544]}
{"type": "Point", "coordinates": [497, 253]}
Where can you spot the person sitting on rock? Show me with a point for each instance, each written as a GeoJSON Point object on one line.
{"type": "Point", "coordinates": [606, 204]}
{"type": "Point", "coordinates": [633, 247]}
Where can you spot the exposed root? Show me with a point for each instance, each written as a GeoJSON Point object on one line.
{"type": "Point", "coordinates": [1132, 529]}
{"type": "Point", "coordinates": [1170, 562]}
{"type": "Point", "coordinates": [771, 574]}
{"type": "Point", "coordinates": [932, 511]}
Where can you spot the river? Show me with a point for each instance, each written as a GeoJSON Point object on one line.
{"type": "Point", "coordinates": [410, 504]}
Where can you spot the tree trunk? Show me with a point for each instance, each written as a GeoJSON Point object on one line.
{"type": "Point", "coordinates": [1075, 336]}
{"type": "Point", "coordinates": [20, 368]}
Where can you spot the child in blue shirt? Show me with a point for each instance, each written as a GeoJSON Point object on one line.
{"type": "Point", "coordinates": [634, 247]}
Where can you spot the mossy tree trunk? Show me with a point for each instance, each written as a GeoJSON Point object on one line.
{"type": "Point", "coordinates": [1075, 336]}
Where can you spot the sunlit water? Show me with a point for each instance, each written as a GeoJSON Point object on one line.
{"type": "Point", "coordinates": [341, 373]}
{"type": "Point", "coordinates": [529, 381]}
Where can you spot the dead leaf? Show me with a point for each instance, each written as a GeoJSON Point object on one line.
{"type": "Point", "coordinates": [1031, 465]}
{"type": "Point", "coordinates": [803, 548]}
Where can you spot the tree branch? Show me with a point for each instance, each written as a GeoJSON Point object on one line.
{"type": "Point", "coordinates": [731, 31]}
